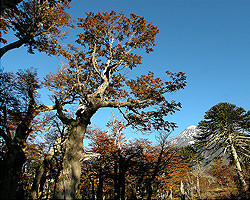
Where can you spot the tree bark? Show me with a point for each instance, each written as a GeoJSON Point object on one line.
{"type": "Point", "coordinates": [39, 174]}
{"type": "Point", "coordinates": [69, 178]}
{"type": "Point", "coordinates": [34, 189]}
{"type": "Point", "coordinates": [243, 184]}
{"type": "Point", "coordinates": [15, 157]}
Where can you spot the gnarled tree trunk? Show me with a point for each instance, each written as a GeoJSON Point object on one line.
{"type": "Point", "coordinates": [66, 187]}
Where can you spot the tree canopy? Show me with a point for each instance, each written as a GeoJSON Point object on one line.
{"type": "Point", "coordinates": [97, 71]}
{"type": "Point", "coordinates": [37, 24]}
{"type": "Point", "coordinates": [226, 128]}
{"type": "Point", "coordinates": [96, 76]}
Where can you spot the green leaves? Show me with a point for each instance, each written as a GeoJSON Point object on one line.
{"type": "Point", "coordinates": [220, 122]}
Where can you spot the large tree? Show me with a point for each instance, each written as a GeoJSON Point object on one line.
{"type": "Point", "coordinates": [97, 75]}
{"type": "Point", "coordinates": [37, 24]}
{"type": "Point", "coordinates": [226, 128]}
{"type": "Point", "coordinates": [18, 108]}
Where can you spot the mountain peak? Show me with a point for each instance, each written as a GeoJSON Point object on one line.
{"type": "Point", "coordinates": [192, 127]}
{"type": "Point", "coordinates": [185, 138]}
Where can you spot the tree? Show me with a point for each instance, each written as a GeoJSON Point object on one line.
{"type": "Point", "coordinates": [224, 174]}
{"type": "Point", "coordinates": [47, 172]}
{"type": "Point", "coordinates": [12, 4]}
{"type": "Point", "coordinates": [226, 128]}
{"type": "Point", "coordinates": [37, 24]}
{"type": "Point", "coordinates": [116, 156]}
{"type": "Point", "coordinates": [19, 107]}
{"type": "Point", "coordinates": [97, 77]}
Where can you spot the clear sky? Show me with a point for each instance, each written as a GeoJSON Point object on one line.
{"type": "Point", "coordinates": [208, 40]}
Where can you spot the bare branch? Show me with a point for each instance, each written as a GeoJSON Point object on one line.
{"type": "Point", "coordinates": [94, 61]}
{"type": "Point", "coordinates": [115, 104]}
{"type": "Point", "coordinates": [61, 115]}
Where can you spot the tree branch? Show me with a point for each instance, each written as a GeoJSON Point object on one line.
{"type": "Point", "coordinates": [43, 108]}
{"type": "Point", "coordinates": [61, 115]}
{"type": "Point", "coordinates": [94, 61]}
{"type": "Point", "coordinates": [115, 104]}
{"type": "Point", "coordinates": [10, 46]}
{"type": "Point", "coordinates": [6, 138]}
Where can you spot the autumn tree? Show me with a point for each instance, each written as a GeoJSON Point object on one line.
{"type": "Point", "coordinates": [12, 4]}
{"type": "Point", "coordinates": [19, 106]}
{"type": "Point", "coordinates": [96, 75]}
{"type": "Point", "coordinates": [130, 168]}
{"type": "Point", "coordinates": [224, 174]}
{"type": "Point", "coordinates": [158, 163]}
{"type": "Point", "coordinates": [46, 174]}
{"type": "Point", "coordinates": [226, 128]}
{"type": "Point", "coordinates": [116, 155]}
{"type": "Point", "coordinates": [37, 24]}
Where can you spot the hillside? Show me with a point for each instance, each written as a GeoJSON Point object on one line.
{"type": "Point", "coordinates": [185, 138]}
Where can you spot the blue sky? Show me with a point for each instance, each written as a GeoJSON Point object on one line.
{"type": "Point", "coordinates": [208, 40]}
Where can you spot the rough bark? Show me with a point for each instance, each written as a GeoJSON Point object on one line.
{"type": "Point", "coordinates": [69, 178]}
{"type": "Point", "coordinates": [34, 189]}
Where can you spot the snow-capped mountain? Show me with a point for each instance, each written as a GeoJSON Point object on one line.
{"type": "Point", "coordinates": [185, 138]}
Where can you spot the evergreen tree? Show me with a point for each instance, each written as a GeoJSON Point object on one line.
{"type": "Point", "coordinates": [226, 128]}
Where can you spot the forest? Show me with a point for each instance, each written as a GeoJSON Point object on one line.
{"type": "Point", "coordinates": [42, 151]}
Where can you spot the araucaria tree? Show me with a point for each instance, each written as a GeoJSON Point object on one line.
{"type": "Point", "coordinates": [97, 76]}
{"type": "Point", "coordinates": [226, 128]}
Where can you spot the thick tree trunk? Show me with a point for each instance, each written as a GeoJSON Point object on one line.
{"type": "Point", "coordinates": [39, 174]}
{"type": "Point", "coordinates": [243, 184]}
{"type": "Point", "coordinates": [11, 172]}
{"type": "Point", "coordinates": [34, 194]}
{"type": "Point", "coordinates": [69, 178]}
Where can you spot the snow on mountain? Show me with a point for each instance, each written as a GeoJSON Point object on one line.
{"type": "Point", "coordinates": [185, 138]}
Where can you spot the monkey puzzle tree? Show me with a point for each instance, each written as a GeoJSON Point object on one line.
{"type": "Point", "coordinates": [37, 24]}
{"type": "Point", "coordinates": [227, 127]}
{"type": "Point", "coordinates": [97, 76]}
